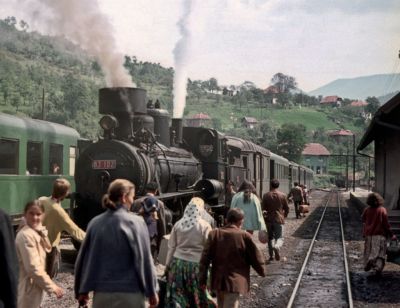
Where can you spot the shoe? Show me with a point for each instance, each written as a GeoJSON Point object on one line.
{"type": "Point", "coordinates": [271, 258]}
{"type": "Point", "coordinates": [277, 256]}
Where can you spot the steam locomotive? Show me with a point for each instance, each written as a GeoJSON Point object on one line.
{"type": "Point", "coordinates": [138, 144]}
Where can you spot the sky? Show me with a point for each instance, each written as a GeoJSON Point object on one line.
{"type": "Point", "coordinates": [315, 41]}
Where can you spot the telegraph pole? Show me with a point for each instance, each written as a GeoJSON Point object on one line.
{"type": "Point", "coordinates": [354, 162]}
{"type": "Point", "coordinates": [347, 166]}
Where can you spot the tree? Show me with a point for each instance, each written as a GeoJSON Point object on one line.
{"type": "Point", "coordinates": [268, 136]}
{"type": "Point", "coordinates": [11, 21]}
{"type": "Point", "coordinates": [213, 85]}
{"type": "Point", "coordinates": [283, 82]}
{"type": "Point", "coordinates": [23, 25]}
{"type": "Point", "coordinates": [373, 104]}
{"type": "Point", "coordinates": [291, 139]}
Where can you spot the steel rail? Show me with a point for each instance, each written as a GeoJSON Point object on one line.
{"type": "Point", "coordinates": [305, 262]}
{"type": "Point", "coordinates": [296, 287]}
{"type": "Point", "coordinates": [346, 265]}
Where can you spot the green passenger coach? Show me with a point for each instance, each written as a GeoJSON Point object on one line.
{"type": "Point", "coordinates": [32, 154]}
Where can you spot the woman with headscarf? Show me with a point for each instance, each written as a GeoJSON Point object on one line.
{"type": "Point", "coordinates": [185, 246]}
{"type": "Point", "coordinates": [247, 200]}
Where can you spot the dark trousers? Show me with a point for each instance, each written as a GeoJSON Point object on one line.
{"type": "Point", "coordinates": [275, 237]}
{"type": "Point", "coordinates": [296, 208]}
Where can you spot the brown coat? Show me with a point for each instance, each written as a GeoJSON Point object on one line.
{"type": "Point", "coordinates": [231, 251]}
{"type": "Point", "coordinates": [275, 205]}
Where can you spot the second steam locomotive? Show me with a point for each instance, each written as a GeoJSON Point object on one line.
{"type": "Point", "coordinates": [138, 144]}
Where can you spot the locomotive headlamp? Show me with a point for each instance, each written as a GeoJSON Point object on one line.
{"type": "Point", "coordinates": [108, 122]}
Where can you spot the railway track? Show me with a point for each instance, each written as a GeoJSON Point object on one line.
{"type": "Point", "coordinates": [324, 279]}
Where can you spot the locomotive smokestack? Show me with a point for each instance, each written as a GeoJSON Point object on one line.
{"type": "Point", "coordinates": [123, 103]}
{"type": "Point", "coordinates": [176, 131]}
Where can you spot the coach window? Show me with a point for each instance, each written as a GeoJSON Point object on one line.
{"type": "Point", "coordinates": [244, 162]}
{"type": "Point", "coordinates": [72, 158]}
{"type": "Point", "coordinates": [8, 156]}
{"type": "Point", "coordinates": [34, 158]}
{"type": "Point", "coordinates": [55, 159]}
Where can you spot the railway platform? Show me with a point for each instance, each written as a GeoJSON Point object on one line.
{"type": "Point", "coordinates": [359, 198]}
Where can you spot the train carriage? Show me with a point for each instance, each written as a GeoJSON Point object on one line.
{"type": "Point", "coordinates": [279, 169]}
{"type": "Point", "coordinates": [309, 178]}
{"type": "Point", "coordinates": [32, 154]}
{"type": "Point", "coordinates": [249, 161]}
{"type": "Point", "coordinates": [294, 173]}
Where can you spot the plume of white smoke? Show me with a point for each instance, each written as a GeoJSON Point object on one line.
{"type": "Point", "coordinates": [82, 22]}
{"type": "Point", "coordinates": [181, 57]}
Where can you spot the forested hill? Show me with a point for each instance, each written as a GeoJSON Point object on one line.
{"type": "Point", "coordinates": [361, 87]}
{"type": "Point", "coordinates": [32, 64]}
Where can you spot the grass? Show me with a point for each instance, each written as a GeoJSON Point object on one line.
{"type": "Point", "coordinates": [310, 117]}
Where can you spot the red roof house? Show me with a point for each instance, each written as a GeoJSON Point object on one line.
{"type": "Point", "coordinates": [315, 149]}
{"type": "Point", "coordinates": [341, 135]}
{"type": "Point", "coordinates": [272, 90]}
{"type": "Point", "coordinates": [331, 100]}
{"type": "Point", "coordinates": [198, 120]}
{"type": "Point", "coordinates": [315, 157]}
{"type": "Point", "coordinates": [358, 104]}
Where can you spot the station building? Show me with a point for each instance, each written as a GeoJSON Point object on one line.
{"type": "Point", "coordinates": [315, 157]}
{"type": "Point", "coordinates": [384, 131]}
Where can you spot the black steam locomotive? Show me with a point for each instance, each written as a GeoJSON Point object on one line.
{"type": "Point", "coordinates": [138, 144]}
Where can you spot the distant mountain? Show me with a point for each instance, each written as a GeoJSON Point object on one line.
{"type": "Point", "coordinates": [361, 87]}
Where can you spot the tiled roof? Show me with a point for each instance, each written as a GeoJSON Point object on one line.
{"type": "Point", "coordinates": [202, 116]}
{"type": "Point", "coordinates": [250, 120]}
{"type": "Point", "coordinates": [341, 132]}
{"type": "Point", "coordinates": [271, 90]}
{"type": "Point", "coordinates": [315, 149]}
{"type": "Point", "coordinates": [330, 99]}
{"type": "Point", "coordinates": [358, 104]}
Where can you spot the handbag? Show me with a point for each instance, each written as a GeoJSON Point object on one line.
{"type": "Point", "coordinates": [53, 262]}
{"type": "Point", "coordinates": [393, 251]}
{"type": "Point", "coordinates": [263, 236]}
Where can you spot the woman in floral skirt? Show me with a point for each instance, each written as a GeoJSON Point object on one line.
{"type": "Point", "coordinates": [185, 246]}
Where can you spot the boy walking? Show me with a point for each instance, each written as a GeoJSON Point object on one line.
{"type": "Point", "coordinates": [276, 209]}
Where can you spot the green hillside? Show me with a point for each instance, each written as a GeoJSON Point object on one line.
{"type": "Point", "coordinates": [32, 64]}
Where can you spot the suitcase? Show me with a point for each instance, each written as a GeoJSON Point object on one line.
{"type": "Point", "coordinates": [162, 255]}
{"type": "Point", "coordinates": [304, 208]}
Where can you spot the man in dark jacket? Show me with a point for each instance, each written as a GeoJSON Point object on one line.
{"type": "Point", "coordinates": [275, 207]}
{"type": "Point", "coordinates": [143, 206]}
{"type": "Point", "coordinates": [231, 251]}
{"type": "Point", "coordinates": [297, 194]}
{"type": "Point", "coordinates": [8, 264]}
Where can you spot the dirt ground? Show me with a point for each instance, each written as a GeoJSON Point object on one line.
{"type": "Point", "coordinates": [275, 289]}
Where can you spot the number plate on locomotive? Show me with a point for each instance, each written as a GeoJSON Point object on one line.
{"type": "Point", "coordinates": [104, 164]}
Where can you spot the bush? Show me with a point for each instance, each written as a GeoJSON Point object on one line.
{"type": "Point", "coordinates": [324, 181]}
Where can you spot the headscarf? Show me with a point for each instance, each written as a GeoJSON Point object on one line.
{"type": "Point", "coordinates": [194, 211]}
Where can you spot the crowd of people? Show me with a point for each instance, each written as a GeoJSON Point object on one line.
{"type": "Point", "coordinates": [119, 249]}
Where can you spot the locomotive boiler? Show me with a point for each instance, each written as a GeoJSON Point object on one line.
{"type": "Point", "coordinates": [138, 145]}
